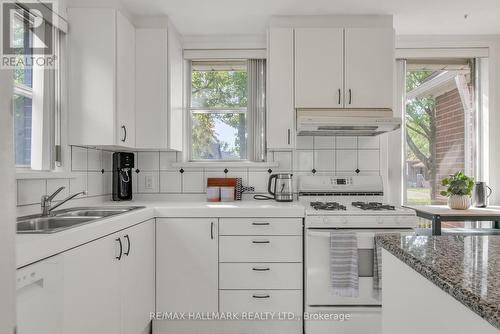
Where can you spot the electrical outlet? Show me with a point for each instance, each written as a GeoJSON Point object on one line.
{"type": "Point", "coordinates": [148, 182]}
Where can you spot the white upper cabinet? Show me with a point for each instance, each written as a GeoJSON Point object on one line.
{"type": "Point", "coordinates": [158, 88]}
{"type": "Point", "coordinates": [280, 115]}
{"type": "Point", "coordinates": [101, 78]}
{"type": "Point", "coordinates": [369, 63]}
{"type": "Point", "coordinates": [318, 67]}
{"type": "Point", "coordinates": [125, 78]}
{"type": "Point", "coordinates": [344, 67]}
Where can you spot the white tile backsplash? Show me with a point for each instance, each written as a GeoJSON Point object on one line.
{"type": "Point", "coordinates": [30, 191]}
{"type": "Point", "coordinates": [107, 161]}
{"type": "Point", "coordinates": [148, 161]}
{"type": "Point", "coordinates": [170, 182]}
{"type": "Point", "coordinates": [95, 184]}
{"type": "Point", "coordinates": [304, 143]}
{"type": "Point", "coordinates": [369, 142]}
{"type": "Point", "coordinates": [94, 160]}
{"type": "Point", "coordinates": [369, 160]}
{"type": "Point", "coordinates": [78, 182]}
{"type": "Point", "coordinates": [166, 160]}
{"type": "Point", "coordinates": [193, 181]}
{"type": "Point", "coordinates": [78, 158]}
{"type": "Point", "coordinates": [327, 155]}
{"type": "Point", "coordinates": [346, 142]}
{"type": "Point", "coordinates": [324, 142]}
{"type": "Point", "coordinates": [346, 160]}
{"type": "Point", "coordinates": [148, 182]}
{"type": "Point", "coordinates": [324, 160]}
{"type": "Point", "coordinates": [303, 160]}
{"type": "Point", "coordinates": [284, 159]}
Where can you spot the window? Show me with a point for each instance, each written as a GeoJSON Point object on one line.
{"type": "Point", "coordinates": [36, 95]}
{"type": "Point", "coordinates": [441, 125]}
{"type": "Point", "coordinates": [227, 106]}
{"type": "Point", "coordinates": [23, 95]}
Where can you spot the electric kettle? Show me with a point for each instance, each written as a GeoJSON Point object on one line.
{"type": "Point", "coordinates": [282, 191]}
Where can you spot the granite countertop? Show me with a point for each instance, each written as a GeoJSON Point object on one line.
{"type": "Point", "coordinates": [466, 267]}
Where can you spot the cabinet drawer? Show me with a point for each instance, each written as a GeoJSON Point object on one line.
{"type": "Point", "coordinates": [260, 249]}
{"type": "Point", "coordinates": [261, 301]}
{"type": "Point", "coordinates": [260, 276]}
{"type": "Point", "coordinates": [260, 226]}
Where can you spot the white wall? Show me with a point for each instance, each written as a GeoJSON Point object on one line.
{"type": "Point", "coordinates": [492, 42]}
{"type": "Point", "coordinates": [7, 217]}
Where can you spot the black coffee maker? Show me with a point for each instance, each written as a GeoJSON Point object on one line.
{"type": "Point", "coordinates": [123, 163]}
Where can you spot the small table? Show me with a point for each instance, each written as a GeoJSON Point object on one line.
{"type": "Point", "coordinates": [438, 213]}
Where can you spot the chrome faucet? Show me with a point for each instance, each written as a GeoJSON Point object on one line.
{"type": "Point", "coordinates": [46, 202]}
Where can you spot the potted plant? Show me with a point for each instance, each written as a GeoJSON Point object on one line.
{"type": "Point", "coordinates": [458, 190]}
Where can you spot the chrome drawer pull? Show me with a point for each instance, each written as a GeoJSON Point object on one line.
{"type": "Point", "coordinates": [260, 223]}
{"type": "Point", "coordinates": [261, 296]}
{"type": "Point", "coordinates": [261, 241]}
{"type": "Point", "coordinates": [261, 269]}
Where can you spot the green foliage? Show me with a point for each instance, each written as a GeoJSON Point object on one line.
{"type": "Point", "coordinates": [218, 90]}
{"type": "Point", "coordinates": [418, 118]}
{"type": "Point", "coordinates": [458, 184]}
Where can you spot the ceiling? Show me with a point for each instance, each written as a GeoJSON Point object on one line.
{"type": "Point", "coordinates": [216, 17]}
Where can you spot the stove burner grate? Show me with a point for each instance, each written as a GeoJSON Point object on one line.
{"type": "Point", "coordinates": [374, 206]}
{"type": "Point", "coordinates": [330, 206]}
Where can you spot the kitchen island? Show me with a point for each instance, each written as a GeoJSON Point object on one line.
{"type": "Point", "coordinates": [440, 284]}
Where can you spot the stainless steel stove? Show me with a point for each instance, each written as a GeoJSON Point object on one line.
{"type": "Point", "coordinates": [353, 204]}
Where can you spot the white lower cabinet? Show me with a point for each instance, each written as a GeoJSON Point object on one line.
{"type": "Point", "coordinates": [240, 266]}
{"type": "Point", "coordinates": [109, 283]}
{"type": "Point", "coordinates": [186, 272]}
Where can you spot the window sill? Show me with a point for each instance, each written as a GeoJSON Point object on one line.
{"type": "Point", "coordinates": [34, 175]}
{"type": "Point", "coordinates": [225, 164]}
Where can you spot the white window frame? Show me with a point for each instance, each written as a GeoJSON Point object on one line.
{"type": "Point", "coordinates": [46, 120]}
{"type": "Point", "coordinates": [481, 55]}
{"type": "Point", "coordinates": [189, 122]}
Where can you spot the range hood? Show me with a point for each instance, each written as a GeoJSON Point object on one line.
{"type": "Point", "coordinates": [345, 122]}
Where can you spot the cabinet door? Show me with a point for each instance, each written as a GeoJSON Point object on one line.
{"type": "Point", "coordinates": [280, 113]}
{"type": "Point", "coordinates": [175, 89]}
{"type": "Point", "coordinates": [186, 265]}
{"type": "Point", "coordinates": [92, 288]}
{"type": "Point", "coordinates": [318, 67]}
{"type": "Point", "coordinates": [151, 88]}
{"type": "Point", "coordinates": [369, 67]}
{"type": "Point", "coordinates": [137, 277]}
{"type": "Point", "coordinates": [92, 62]}
{"type": "Point", "coordinates": [125, 81]}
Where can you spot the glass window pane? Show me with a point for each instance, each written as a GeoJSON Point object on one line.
{"type": "Point", "coordinates": [20, 36]}
{"type": "Point", "coordinates": [440, 128]}
{"type": "Point", "coordinates": [22, 130]}
{"type": "Point", "coordinates": [219, 89]}
{"type": "Point", "coordinates": [219, 136]}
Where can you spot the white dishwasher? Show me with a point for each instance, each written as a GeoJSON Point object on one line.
{"type": "Point", "coordinates": [39, 289]}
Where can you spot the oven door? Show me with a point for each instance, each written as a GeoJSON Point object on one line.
{"type": "Point", "coordinates": [319, 291]}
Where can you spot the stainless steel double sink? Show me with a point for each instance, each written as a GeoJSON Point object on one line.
{"type": "Point", "coordinates": [68, 218]}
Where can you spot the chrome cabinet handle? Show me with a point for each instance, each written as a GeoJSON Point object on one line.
{"type": "Point", "coordinates": [350, 96]}
{"type": "Point", "coordinates": [119, 257]}
{"type": "Point", "coordinates": [261, 241]}
{"type": "Point", "coordinates": [260, 223]}
{"type": "Point", "coordinates": [128, 245]}
{"type": "Point", "coordinates": [212, 230]}
{"type": "Point", "coordinates": [289, 136]}
{"type": "Point", "coordinates": [124, 128]}
{"type": "Point", "coordinates": [260, 296]}
{"type": "Point", "coordinates": [261, 269]}
{"type": "Point", "coordinates": [339, 96]}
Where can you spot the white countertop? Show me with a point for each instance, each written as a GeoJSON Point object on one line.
{"type": "Point", "coordinates": [35, 247]}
